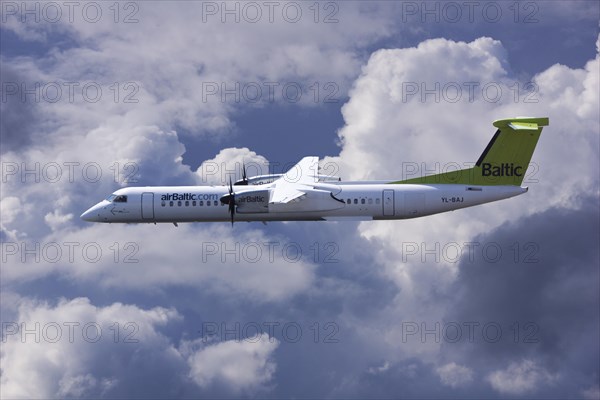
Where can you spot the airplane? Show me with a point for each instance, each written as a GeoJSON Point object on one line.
{"type": "Point", "coordinates": [302, 194]}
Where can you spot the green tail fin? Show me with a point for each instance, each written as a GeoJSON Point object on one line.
{"type": "Point", "coordinates": [503, 162]}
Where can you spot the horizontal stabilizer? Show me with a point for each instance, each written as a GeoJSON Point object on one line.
{"type": "Point", "coordinates": [524, 123]}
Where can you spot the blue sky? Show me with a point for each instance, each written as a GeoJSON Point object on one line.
{"type": "Point", "coordinates": [497, 301]}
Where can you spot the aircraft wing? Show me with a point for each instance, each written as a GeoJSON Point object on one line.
{"type": "Point", "coordinates": [285, 193]}
{"type": "Point", "coordinates": [296, 181]}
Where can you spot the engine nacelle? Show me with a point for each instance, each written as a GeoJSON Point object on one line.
{"type": "Point", "coordinates": [253, 201]}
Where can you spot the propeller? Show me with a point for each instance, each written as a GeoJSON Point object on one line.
{"type": "Point", "coordinates": [244, 180]}
{"type": "Point", "coordinates": [230, 200]}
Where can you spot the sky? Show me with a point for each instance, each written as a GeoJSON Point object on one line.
{"type": "Point", "coordinates": [496, 301]}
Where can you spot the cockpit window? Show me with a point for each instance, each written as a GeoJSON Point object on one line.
{"type": "Point", "coordinates": [117, 198]}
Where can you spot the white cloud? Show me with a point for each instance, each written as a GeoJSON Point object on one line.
{"type": "Point", "coordinates": [55, 219]}
{"type": "Point", "coordinates": [167, 80]}
{"type": "Point", "coordinates": [67, 177]}
{"type": "Point", "coordinates": [173, 74]}
{"type": "Point", "coordinates": [520, 378]}
{"type": "Point", "coordinates": [387, 130]}
{"type": "Point", "coordinates": [387, 127]}
{"type": "Point", "coordinates": [244, 365]}
{"type": "Point", "coordinates": [77, 386]}
{"type": "Point", "coordinates": [455, 375]}
{"type": "Point", "coordinates": [75, 348]}
{"type": "Point", "coordinates": [213, 258]}
{"type": "Point", "coordinates": [379, 370]}
{"type": "Point", "coordinates": [10, 208]}
{"type": "Point", "coordinates": [591, 393]}
{"type": "Point", "coordinates": [229, 163]}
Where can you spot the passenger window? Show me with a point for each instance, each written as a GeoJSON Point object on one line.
{"type": "Point", "coordinates": [355, 201]}
{"type": "Point", "coordinates": [362, 201]}
{"type": "Point", "coordinates": [171, 203]}
{"type": "Point", "coordinates": [208, 202]}
{"type": "Point", "coordinates": [201, 203]}
{"type": "Point", "coordinates": [216, 203]}
{"type": "Point", "coordinates": [348, 201]}
{"type": "Point", "coordinates": [376, 201]}
{"type": "Point", "coordinates": [187, 203]}
{"type": "Point", "coordinates": [163, 203]}
{"type": "Point", "coordinates": [370, 201]}
{"type": "Point", "coordinates": [194, 203]}
{"type": "Point", "coordinates": [179, 203]}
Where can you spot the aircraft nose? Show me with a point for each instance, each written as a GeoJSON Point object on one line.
{"type": "Point", "coordinates": [92, 214]}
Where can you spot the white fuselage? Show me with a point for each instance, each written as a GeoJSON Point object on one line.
{"type": "Point", "coordinates": [336, 201]}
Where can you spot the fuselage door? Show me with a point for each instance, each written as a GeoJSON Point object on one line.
{"type": "Point", "coordinates": [388, 202]}
{"type": "Point", "coordinates": [148, 205]}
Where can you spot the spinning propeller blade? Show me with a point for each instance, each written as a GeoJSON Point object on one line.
{"type": "Point", "coordinates": [231, 201]}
